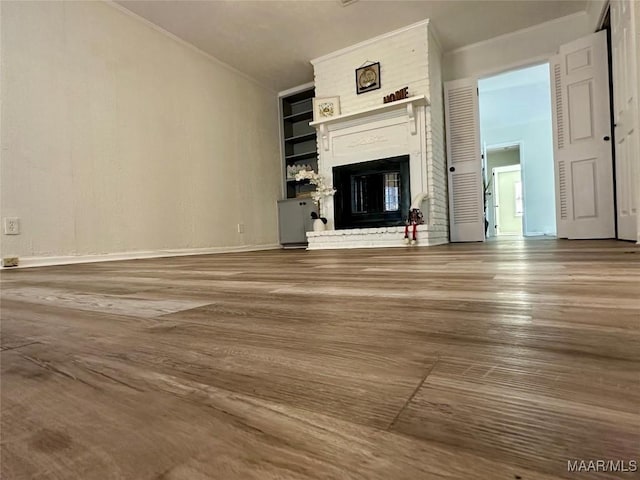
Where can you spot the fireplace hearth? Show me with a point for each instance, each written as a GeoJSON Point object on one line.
{"type": "Point", "coordinates": [372, 194]}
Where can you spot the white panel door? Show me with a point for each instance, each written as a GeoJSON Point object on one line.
{"type": "Point", "coordinates": [466, 218]}
{"type": "Point", "coordinates": [583, 161]}
{"type": "Point", "coordinates": [625, 88]}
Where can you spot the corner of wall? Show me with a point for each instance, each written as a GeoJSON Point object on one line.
{"type": "Point", "coordinates": [438, 214]}
{"type": "Point", "coordinates": [596, 10]}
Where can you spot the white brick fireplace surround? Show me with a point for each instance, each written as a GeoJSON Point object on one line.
{"type": "Point", "coordinates": [384, 131]}
{"type": "Point", "coordinates": [369, 130]}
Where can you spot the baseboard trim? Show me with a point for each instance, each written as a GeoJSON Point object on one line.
{"type": "Point", "coordinates": [29, 262]}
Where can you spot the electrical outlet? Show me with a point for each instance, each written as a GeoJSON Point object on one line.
{"type": "Point", "coordinates": [11, 226]}
{"type": "Point", "coordinates": [241, 228]}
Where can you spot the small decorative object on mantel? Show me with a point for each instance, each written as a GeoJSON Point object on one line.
{"type": "Point", "coordinates": [322, 190]}
{"type": "Point", "coordinates": [368, 77]}
{"type": "Point", "coordinates": [326, 107]}
{"type": "Point", "coordinates": [398, 95]}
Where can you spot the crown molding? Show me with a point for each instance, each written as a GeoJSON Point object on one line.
{"type": "Point", "coordinates": [299, 88]}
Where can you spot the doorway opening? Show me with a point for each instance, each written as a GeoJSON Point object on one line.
{"type": "Point", "coordinates": [517, 136]}
{"type": "Point", "coordinates": [504, 196]}
{"type": "Point", "coordinates": [508, 195]}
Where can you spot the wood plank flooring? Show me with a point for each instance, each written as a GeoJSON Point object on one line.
{"type": "Point", "coordinates": [493, 361]}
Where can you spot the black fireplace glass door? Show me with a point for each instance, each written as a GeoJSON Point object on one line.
{"type": "Point", "coordinates": [372, 194]}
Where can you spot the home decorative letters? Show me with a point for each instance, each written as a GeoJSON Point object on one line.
{"type": "Point", "coordinates": [398, 95]}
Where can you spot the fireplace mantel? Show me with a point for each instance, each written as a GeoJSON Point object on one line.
{"type": "Point", "coordinates": [417, 100]}
{"type": "Point", "coordinates": [407, 103]}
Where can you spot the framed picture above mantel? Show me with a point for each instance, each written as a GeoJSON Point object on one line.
{"type": "Point", "coordinates": [368, 78]}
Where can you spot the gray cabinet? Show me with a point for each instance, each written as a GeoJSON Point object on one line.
{"type": "Point", "coordinates": [294, 220]}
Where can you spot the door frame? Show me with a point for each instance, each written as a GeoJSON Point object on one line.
{"type": "Point", "coordinates": [528, 63]}
{"type": "Point", "coordinates": [524, 63]}
{"type": "Point", "coordinates": [492, 148]}
{"type": "Point", "coordinates": [496, 195]}
{"type": "Point", "coordinates": [618, 190]}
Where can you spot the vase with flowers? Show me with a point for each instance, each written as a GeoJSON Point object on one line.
{"type": "Point", "coordinates": [322, 190]}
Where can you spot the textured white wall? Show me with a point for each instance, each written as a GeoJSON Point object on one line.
{"type": "Point", "coordinates": [118, 138]}
{"type": "Point", "coordinates": [515, 49]}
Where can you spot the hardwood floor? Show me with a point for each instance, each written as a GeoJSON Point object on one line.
{"type": "Point", "coordinates": [490, 361]}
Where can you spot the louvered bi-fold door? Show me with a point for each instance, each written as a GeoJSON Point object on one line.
{"type": "Point", "coordinates": [464, 162]}
{"type": "Point", "coordinates": [582, 134]}
{"type": "Point", "coordinates": [560, 163]}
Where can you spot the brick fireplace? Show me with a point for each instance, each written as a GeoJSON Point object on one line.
{"type": "Point", "coordinates": [370, 131]}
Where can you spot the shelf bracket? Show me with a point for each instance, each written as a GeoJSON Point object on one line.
{"type": "Point", "coordinates": [325, 137]}
{"type": "Point", "coordinates": [412, 119]}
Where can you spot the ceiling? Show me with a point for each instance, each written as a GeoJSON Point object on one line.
{"type": "Point", "coordinates": [274, 40]}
